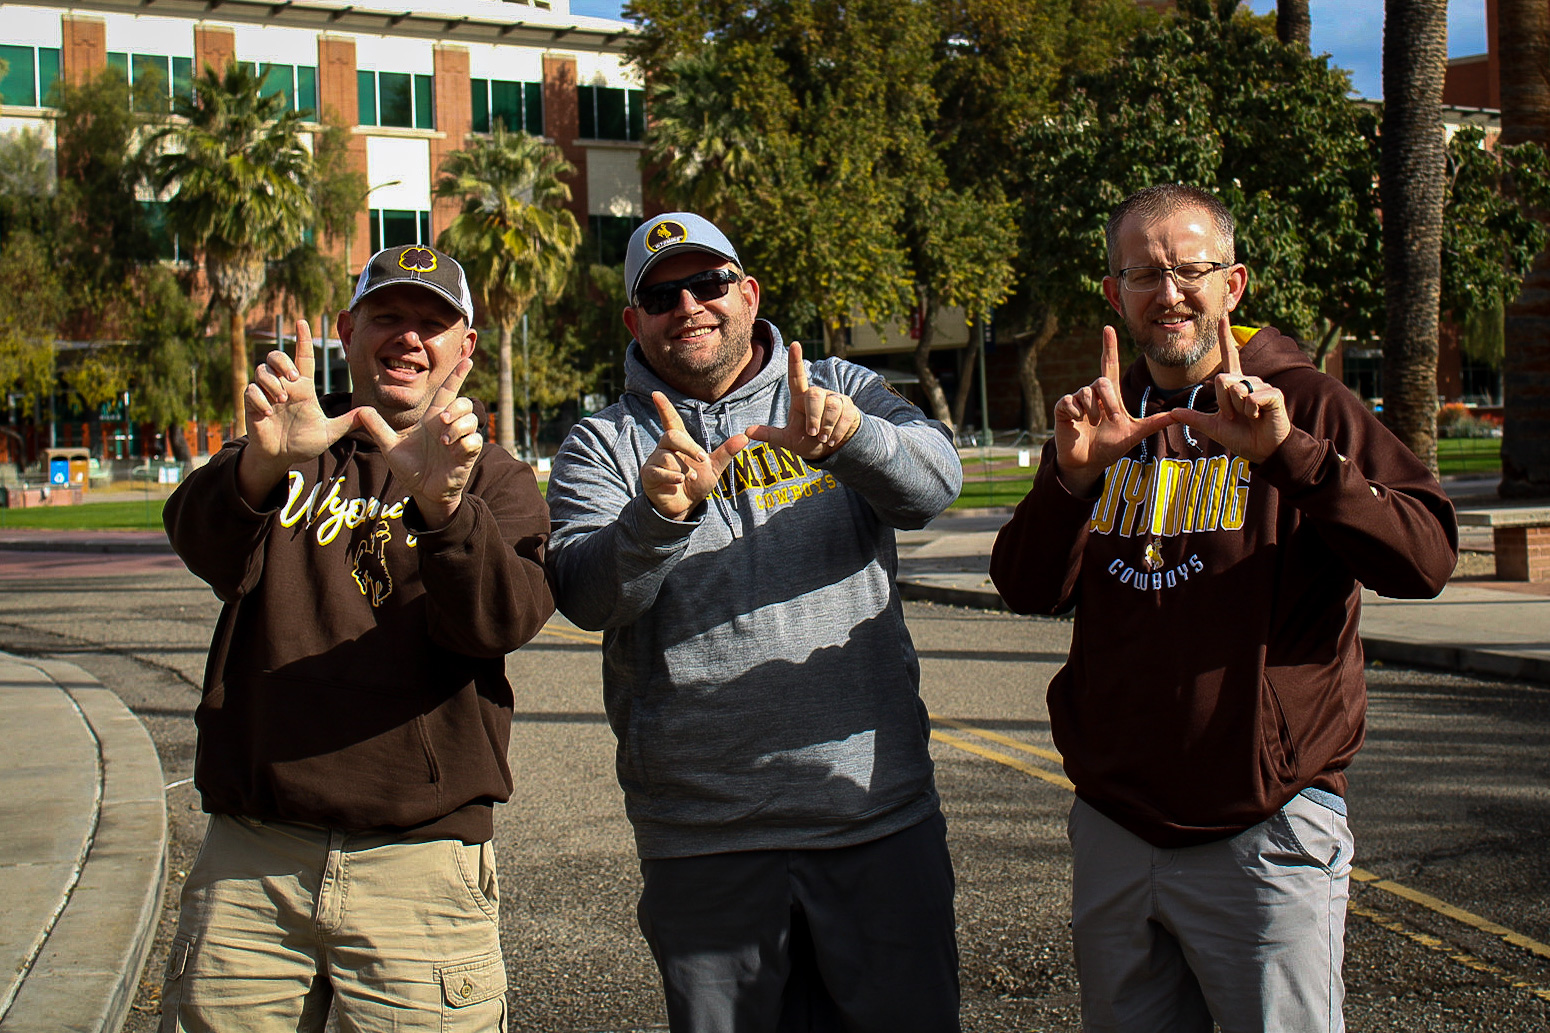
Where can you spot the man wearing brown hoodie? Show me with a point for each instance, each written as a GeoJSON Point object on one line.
{"type": "Point", "coordinates": [1211, 515]}
{"type": "Point", "coordinates": [376, 560]}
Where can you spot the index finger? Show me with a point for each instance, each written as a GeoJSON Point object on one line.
{"type": "Point", "coordinates": [306, 364]}
{"type": "Point", "coordinates": [448, 391]}
{"type": "Point", "coordinates": [1109, 365]}
{"type": "Point", "coordinates": [670, 419]}
{"type": "Point", "coordinates": [797, 374]}
{"type": "Point", "coordinates": [1231, 364]}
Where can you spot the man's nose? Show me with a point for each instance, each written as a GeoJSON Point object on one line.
{"type": "Point", "coordinates": [688, 304]}
{"type": "Point", "coordinates": [1168, 287]}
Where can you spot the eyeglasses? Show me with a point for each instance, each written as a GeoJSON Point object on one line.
{"type": "Point", "coordinates": [708, 286]}
{"type": "Point", "coordinates": [1189, 276]}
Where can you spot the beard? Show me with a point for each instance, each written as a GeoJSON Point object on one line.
{"type": "Point", "coordinates": [683, 366]}
{"type": "Point", "coordinates": [1178, 349]}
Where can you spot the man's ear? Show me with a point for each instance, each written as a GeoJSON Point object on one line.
{"type": "Point", "coordinates": [344, 328]}
{"type": "Point", "coordinates": [1237, 283]}
{"type": "Point", "coordinates": [470, 339]}
{"type": "Point", "coordinates": [631, 320]}
{"type": "Point", "coordinates": [1111, 291]}
{"type": "Point", "coordinates": [750, 289]}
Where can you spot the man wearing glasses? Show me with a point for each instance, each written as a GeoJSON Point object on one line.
{"type": "Point", "coordinates": [729, 526]}
{"type": "Point", "coordinates": [1211, 515]}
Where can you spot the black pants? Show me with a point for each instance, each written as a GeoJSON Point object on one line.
{"type": "Point", "coordinates": [857, 939]}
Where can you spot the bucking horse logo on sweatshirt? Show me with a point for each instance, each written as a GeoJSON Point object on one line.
{"type": "Point", "coordinates": [370, 571]}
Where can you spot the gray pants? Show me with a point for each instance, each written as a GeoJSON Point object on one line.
{"type": "Point", "coordinates": [1247, 931]}
{"type": "Point", "coordinates": [858, 939]}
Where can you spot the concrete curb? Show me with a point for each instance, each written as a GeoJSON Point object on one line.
{"type": "Point", "coordinates": [84, 973]}
{"type": "Point", "coordinates": [13, 542]}
{"type": "Point", "coordinates": [1496, 663]}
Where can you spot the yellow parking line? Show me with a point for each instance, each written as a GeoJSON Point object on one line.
{"type": "Point", "coordinates": [1004, 740]}
{"type": "Point", "coordinates": [591, 638]}
{"type": "Point", "coordinates": [1361, 875]}
{"type": "Point", "coordinates": [1454, 954]}
{"type": "Point", "coordinates": [1001, 758]}
{"type": "Point", "coordinates": [1458, 914]}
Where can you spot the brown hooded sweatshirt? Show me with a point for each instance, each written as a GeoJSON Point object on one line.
{"type": "Point", "coordinates": [357, 675]}
{"type": "Point", "coordinates": [1215, 668]}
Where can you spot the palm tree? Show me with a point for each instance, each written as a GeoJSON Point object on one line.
{"type": "Point", "coordinates": [700, 137]}
{"type": "Point", "coordinates": [514, 235]}
{"type": "Point", "coordinates": [242, 182]}
{"type": "Point", "coordinates": [1523, 35]}
{"type": "Point", "coordinates": [1412, 191]}
{"type": "Point", "coordinates": [1293, 25]}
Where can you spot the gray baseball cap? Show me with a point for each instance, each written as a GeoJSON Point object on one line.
{"type": "Point", "coordinates": [416, 263]}
{"type": "Point", "coordinates": [669, 234]}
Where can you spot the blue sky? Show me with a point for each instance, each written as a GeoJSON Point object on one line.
{"type": "Point", "coordinates": [1350, 31]}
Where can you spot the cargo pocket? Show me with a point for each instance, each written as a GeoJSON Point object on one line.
{"type": "Point", "coordinates": [473, 994]}
{"type": "Point", "coordinates": [172, 984]}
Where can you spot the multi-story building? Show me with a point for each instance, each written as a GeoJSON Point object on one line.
{"type": "Point", "coordinates": [412, 82]}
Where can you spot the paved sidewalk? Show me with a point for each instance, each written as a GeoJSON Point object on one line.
{"type": "Point", "coordinates": [83, 836]}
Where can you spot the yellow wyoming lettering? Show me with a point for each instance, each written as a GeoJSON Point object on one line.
{"type": "Point", "coordinates": [774, 477]}
{"type": "Point", "coordinates": [1169, 497]}
{"type": "Point", "coordinates": [336, 513]}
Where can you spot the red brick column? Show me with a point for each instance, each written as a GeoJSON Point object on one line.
{"type": "Point", "coordinates": [454, 121]}
{"type": "Point", "coordinates": [340, 103]}
{"type": "Point", "coordinates": [85, 51]}
{"type": "Point", "coordinates": [561, 124]}
{"type": "Point", "coordinates": [1522, 553]}
{"type": "Point", "coordinates": [214, 47]}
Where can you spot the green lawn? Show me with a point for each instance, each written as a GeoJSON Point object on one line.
{"type": "Point", "coordinates": [142, 514]}
{"type": "Point", "coordinates": [1469, 455]}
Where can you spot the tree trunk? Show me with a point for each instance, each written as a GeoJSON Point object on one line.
{"type": "Point", "coordinates": [1523, 38]}
{"type": "Point", "coordinates": [177, 444]}
{"type": "Point", "coordinates": [1412, 192]}
{"type": "Point", "coordinates": [1293, 25]}
{"type": "Point", "coordinates": [1028, 348]}
{"type": "Point", "coordinates": [836, 340]}
{"type": "Point", "coordinates": [238, 332]}
{"type": "Point", "coordinates": [966, 375]}
{"type": "Point", "coordinates": [936, 398]}
{"type": "Point", "coordinates": [506, 433]}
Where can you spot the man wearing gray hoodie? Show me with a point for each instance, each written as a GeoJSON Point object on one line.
{"type": "Point", "coordinates": [729, 526]}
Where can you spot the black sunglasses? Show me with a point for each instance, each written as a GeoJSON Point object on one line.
{"type": "Point", "coordinates": [708, 286]}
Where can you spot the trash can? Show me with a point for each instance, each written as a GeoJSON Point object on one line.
{"type": "Point", "coordinates": [68, 467]}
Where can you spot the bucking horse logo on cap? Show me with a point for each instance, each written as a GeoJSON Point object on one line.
{"type": "Point", "coordinates": [665, 233]}
{"type": "Point", "coordinates": [418, 260]}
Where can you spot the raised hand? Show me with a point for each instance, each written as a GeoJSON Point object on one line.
{"type": "Point", "coordinates": [679, 474]}
{"type": "Point", "coordinates": [1092, 427]}
{"type": "Point", "coordinates": [819, 422]}
{"type": "Point", "coordinates": [433, 457]}
{"type": "Point", "coordinates": [1251, 419]}
{"type": "Point", "coordinates": [286, 425]}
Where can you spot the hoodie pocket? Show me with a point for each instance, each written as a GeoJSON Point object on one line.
{"type": "Point", "coordinates": [1277, 744]}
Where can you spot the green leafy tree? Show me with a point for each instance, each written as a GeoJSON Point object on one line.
{"type": "Point", "coordinates": [1219, 103]}
{"type": "Point", "coordinates": [514, 236]}
{"type": "Point", "coordinates": [810, 131]}
{"type": "Point", "coordinates": [168, 355]}
{"type": "Point", "coordinates": [1489, 236]}
{"type": "Point", "coordinates": [32, 299]}
{"type": "Point", "coordinates": [314, 273]}
{"type": "Point", "coordinates": [241, 181]}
